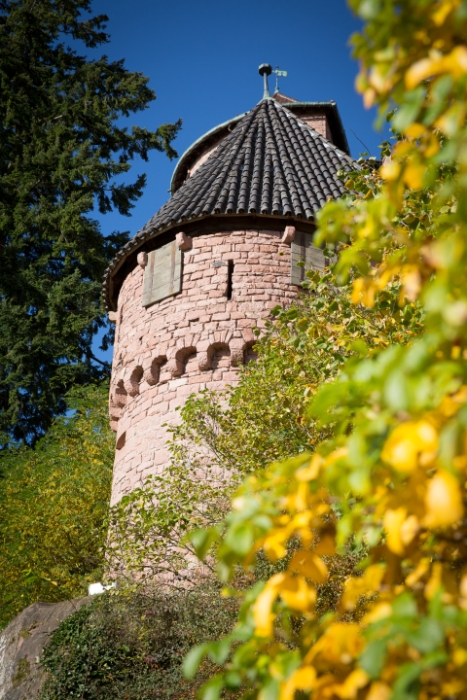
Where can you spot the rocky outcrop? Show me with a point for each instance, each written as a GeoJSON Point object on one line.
{"type": "Point", "coordinates": [22, 643]}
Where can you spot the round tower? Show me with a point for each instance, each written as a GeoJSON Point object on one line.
{"type": "Point", "coordinates": [188, 289]}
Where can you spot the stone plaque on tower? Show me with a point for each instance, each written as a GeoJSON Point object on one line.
{"type": "Point", "coordinates": [162, 274]}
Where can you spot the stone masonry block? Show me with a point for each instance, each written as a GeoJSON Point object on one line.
{"type": "Point", "coordinates": [184, 242]}
{"type": "Point", "coordinates": [288, 235]}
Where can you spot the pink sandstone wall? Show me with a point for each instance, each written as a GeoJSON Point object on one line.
{"type": "Point", "coordinates": [188, 342]}
{"type": "Point", "coordinates": [319, 123]}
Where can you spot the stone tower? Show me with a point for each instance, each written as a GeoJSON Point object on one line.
{"type": "Point", "coordinates": [187, 290]}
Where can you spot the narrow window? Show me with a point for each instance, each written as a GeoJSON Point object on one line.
{"type": "Point", "coordinates": [230, 269]}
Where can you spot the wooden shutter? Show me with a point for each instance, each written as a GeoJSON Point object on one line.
{"type": "Point", "coordinates": [303, 251]}
{"type": "Point", "coordinates": [162, 274]}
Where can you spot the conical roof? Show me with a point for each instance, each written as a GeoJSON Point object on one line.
{"type": "Point", "coordinates": [271, 164]}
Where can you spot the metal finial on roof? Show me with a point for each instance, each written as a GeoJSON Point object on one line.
{"type": "Point", "coordinates": [265, 70]}
{"type": "Point", "coordinates": [279, 74]}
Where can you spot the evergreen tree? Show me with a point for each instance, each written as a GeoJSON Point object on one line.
{"type": "Point", "coordinates": [61, 148]}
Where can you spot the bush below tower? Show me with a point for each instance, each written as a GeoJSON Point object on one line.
{"type": "Point", "coordinates": [130, 645]}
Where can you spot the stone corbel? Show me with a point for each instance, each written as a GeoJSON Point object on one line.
{"type": "Point", "coordinates": [204, 361]}
{"type": "Point", "coordinates": [184, 242]}
{"type": "Point", "coordinates": [112, 316]}
{"type": "Point", "coordinates": [236, 351]}
{"type": "Point", "coordinates": [151, 374]}
{"type": "Point", "coordinates": [132, 380]}
{"type": "Point", "coordinates": [142, 259]}
{"type": "Point", "coordinates": [289, 234]}
{"type": "Point", "coordinates": [115, 412]}
{"type": "Point", "coordinates": [175, 367]}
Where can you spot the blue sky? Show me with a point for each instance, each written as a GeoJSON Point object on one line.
{"type": "Point", "coordinates": [202, 59]}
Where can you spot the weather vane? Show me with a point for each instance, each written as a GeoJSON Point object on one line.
{"type": "Point", "coordinates": [265, 69]}
{"type": "Point", "coordinates": [279, 74]}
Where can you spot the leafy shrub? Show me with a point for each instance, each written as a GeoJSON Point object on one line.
{"type": "Point", "coordinates": [130, 646]}
{"type": "Point", "coordinates": [53, 506]}
{"type": "Point", "coordinates": [390, 467]}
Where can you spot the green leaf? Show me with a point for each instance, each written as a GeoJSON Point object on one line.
{"type": "Point", "coordinates": [240, 539]}
{"type": "Point", "coordinates": [428, 637]}
{"type": "Point", "coordinates": [193, 659]}
{"type": "Point", "coordinates": [219, 651]}
{"type": "Point", "coordinates": [396, 391]}
{"type": "Point", "coordinates": [360, 347]}
{"type": "Point", "coordinates": [373, 657]}
{"type": "Point", "coordinates": [405, 606]}
{"type": "Point", "coordinates": [202, 540]}
{"type": "Point", "coordinates": [212, 689]}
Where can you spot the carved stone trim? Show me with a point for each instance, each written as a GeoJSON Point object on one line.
{"type": "Point", "coordinates": [184, 242]}
{"type": "Point", "coordinates": [142, 259]}
{"type": "Point", "coordinates": [289, 234]}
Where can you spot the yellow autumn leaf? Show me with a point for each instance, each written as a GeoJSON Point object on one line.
{"type": "Point", "coordinates": [451, 120]}
{"type": "Point", "coordinates": [409, 529]}
{"type": "Point", "coordinates": [341, 643]}
{"type": "Point", "coordinates": [452, 688]}
{"type": "Point", "coordinates": [274, 544]}
{"type": "Point", "coordinates": [450, 405]}
{"type": "Point", "coordinates": [411, 281]}
{"type": "Point", "coordinates": [413, 175]}
{"type": "Point", "coordinates": [415, 130]}
{"type": "Point", "coordinates": [379, 691]}
{"type": "Point", "coordinates": [434, 582]}
{"type": "Point", "coordinates": [432, 147]}
{"type": "Point", "coordinates": [326, 546]}
{"type": "Point", "coordinates": [419, 71]}
{"type": "Point", "coordinates": [420, 570]}
{"type": "Point", "coordinates": [297, 593]}
{"type": "Point", "coordinates": [400, 529]}
{"type": "Point", "coordinates": [443, 9]}
{"type": "Point", "coordinates": [454, 63]}
{"type": "Point", "coordinates": [302, 679]}
{"type": "Point", "coordinates": [443, 500]}
{"type": "Point", "coordinates": [369, 96]}
{"type": "Point", "coordinates": [337, 454]}
{"type": "Point", "coordinates": [263, 617]}
{"type": "Point", "coordinates": [298, 499]}
{"type": "Point", "coordinates": [378, 80]}
{"type": "Point", "coordinates": [409, 443]}
{"type": "Point", "coordinates": [353, 683]}
{"type": "Point", "coordinates": [310, 472]}
{"type": "Point", "coordinates": [463, 586]}
{"type": "Point", "coordinates": [377, 612]}
{"type": "Point", "coordinates": [392, 523]}
{"type": "Point", "coordinates": [309, 565]}
{"type": "Point", "coordinates": [390, 170]}
{"type": "Point", "coordinates": [357, 586]}
{"type": "Point", "coordinates": [460, 657]}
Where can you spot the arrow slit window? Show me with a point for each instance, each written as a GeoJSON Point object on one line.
{"type": "Point", "coordinates": [162, 274]}
{"type": "Point", "coordinates": [310, 256]}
